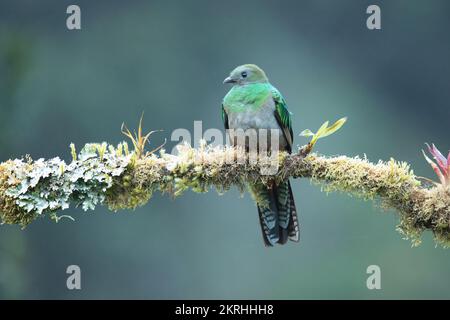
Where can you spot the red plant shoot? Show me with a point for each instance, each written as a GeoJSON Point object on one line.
{"type": "Point", "coordinates": [441, 166]}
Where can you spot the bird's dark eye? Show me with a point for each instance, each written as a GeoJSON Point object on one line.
{"type": "Point", "coordinates": [244, 74]}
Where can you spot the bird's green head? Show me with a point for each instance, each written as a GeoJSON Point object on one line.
{"type": "Point", "coordinates": [245, 74]}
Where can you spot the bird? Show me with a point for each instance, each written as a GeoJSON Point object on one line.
{"type": "Point", "coordinates": [254, 103]}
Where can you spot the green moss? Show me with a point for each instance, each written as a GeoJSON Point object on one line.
{"type": "Point", "coordinates": [126, 194]}
{"type": "Point", "coordinates": [395, 184]}
{"type": "Point", "coordinates": [10, 213]}
{"type": "Point", "coordinates": [258, 192]}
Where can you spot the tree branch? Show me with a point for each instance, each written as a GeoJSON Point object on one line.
{"type": "Point", "coordinates": [112, 176]}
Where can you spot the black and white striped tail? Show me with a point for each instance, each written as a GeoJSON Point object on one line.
{"type": "Point", "coordinates": [278, 219]}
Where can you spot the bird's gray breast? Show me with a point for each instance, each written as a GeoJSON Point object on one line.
{"type": "Point", "coordinates": [251, 118]}
{"type": "Point", "coordinates": [256, 124]}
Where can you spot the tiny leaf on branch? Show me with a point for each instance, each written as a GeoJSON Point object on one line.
{"type": "Point", "coordinates": [323, 132]}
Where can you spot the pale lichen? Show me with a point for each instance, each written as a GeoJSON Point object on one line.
{"type": "Point", "coordinates": [29, 189]}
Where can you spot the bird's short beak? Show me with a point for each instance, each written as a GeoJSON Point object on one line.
{"type": "Point", "coordinates": [229, 80]}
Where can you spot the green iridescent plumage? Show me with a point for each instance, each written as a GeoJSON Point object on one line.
{"type": "Point", "coordinates": [283, 116]}
{"type": "Point", "coordinates": [252, 95]}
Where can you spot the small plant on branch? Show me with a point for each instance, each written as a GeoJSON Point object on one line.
{"type": "Point", "coordinates": [323, 132]}
{"type": "Point", "coordinates": [139, 139]}
{"type": "Point", "coordinates": [442, 165]}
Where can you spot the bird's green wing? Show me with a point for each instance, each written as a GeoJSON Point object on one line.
{"type": "Point", "coordinates": [225, 118]}
{"type": "Point", "coordinates": [283, 117]}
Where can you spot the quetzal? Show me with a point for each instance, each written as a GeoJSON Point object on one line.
{"type": "Point", "coordinates": [253, 103]}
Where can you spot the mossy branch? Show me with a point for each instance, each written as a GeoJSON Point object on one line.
{"type": "Point", "coordinates": [105, 175]}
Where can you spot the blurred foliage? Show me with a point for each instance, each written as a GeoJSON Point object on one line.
{"type": "Point", "coordinates": [15, 61]}
{"type": "Point", "coordinates": [169, 58]}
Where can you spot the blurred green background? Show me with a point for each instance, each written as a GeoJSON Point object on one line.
{"type": "Point", "coordinates": [169, 58]}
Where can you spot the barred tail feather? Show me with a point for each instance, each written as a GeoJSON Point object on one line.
{"type": "Point", "coordinates": [282, 196]}
{"type": "Point", "coordinates": [294, 227]}
{"type": "Point", "coordinates": [277, 213]}
{"type": "Point", "coordinates": [268, 220]}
